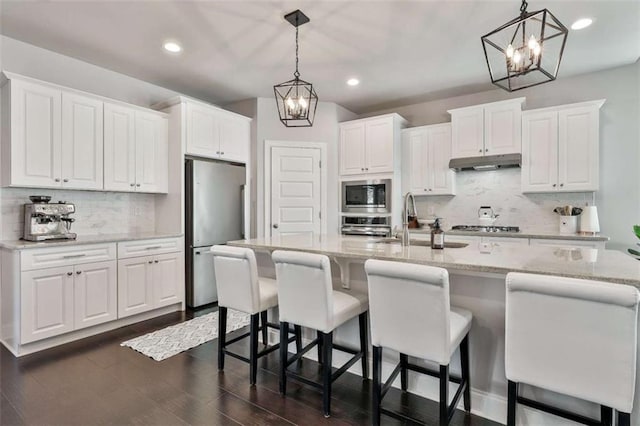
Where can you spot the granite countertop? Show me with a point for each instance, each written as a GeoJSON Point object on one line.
{"type": "Point", "coordinates": [586, 263]}
{"type": "Point", "coordinates": [524, 233]}
{"type": "Point", "coordinates": [85, 239]}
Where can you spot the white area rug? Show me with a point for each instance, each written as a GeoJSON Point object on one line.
{"type": "Point", "coordinates": [172, 340]}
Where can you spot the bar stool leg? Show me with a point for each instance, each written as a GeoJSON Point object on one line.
{"type": "Point", "coordinates": [327, 347]}
{"type": "Point", "coordinates": [404, 373]}
{"type": "Point", "coordinates": [377, 385]}
{"type": "Point", "coordinates": [624, 419]}
{"type": "Point", "coordinates": [284, 337]}
{"type": "Point", "coordinates": [298, 331]}
{"type": "Point", "coordinates": [464, 364]}
{"type": "Point", "coordinates": [444, 394]}
{"type": "Point", "coordinates": [364, 344]}
{"type": "Point", "coordinates": [253, 348]}
{"type": "Point", "coordinates": [264, 318]}
{"type": "Point", "coordinates": [512, 401]}
{"type": "Point", "coordinates": [319, 337]}
{"type": "Point", "coordinates": [222, 335]}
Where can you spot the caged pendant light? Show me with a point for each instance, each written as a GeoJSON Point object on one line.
{"type": "Point", "coordinates": [525, 51]}
{"type": "Point", "coordinates": [296, 99]}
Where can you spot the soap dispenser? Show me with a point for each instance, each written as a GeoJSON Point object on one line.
{"type": "Point", "coordinates": [437, 235]}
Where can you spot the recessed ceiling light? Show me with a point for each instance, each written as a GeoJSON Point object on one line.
{"type": "Point", "coordinates": [173, 47]}
{"type": "Point", "coordinates": [353, 82]}
{"type": "Point", "coordinates": [581, 23]}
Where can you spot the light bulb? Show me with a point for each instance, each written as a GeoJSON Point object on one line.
{"type": "Point", "coordinates": [302, 102]}
{"type": "Point", "coordinates": [290, 103]}
{"type": "Point", "coordinates": [532, 42]}
{"type": "Point", "coordinates": [517, 56]}
{"type": "Point", "coordinates": [509, 51]}
{"type": "Point", "coordinates": [537, 50]}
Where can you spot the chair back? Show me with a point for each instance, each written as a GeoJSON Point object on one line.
{"type": "Point", "coordinates": [409, 309]}
{"type": "Point", "coordinates": [576, 337]}
{"type": "Point", "coordinates": [236, 274]}
{"type": "Point", "coordinates": [304, 289]}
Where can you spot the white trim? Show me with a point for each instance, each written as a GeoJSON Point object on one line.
{"type": "Point", "coordinates": [268, 144]}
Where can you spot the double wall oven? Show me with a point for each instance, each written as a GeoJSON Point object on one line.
{"type": "Point", "coordinates": [366, 207]}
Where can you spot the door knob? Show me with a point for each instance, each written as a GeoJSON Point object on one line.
{"type": "Point", "coordinates": [275, 226]}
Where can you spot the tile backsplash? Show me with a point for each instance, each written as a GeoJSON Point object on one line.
{"type": "Point", "coordinates": [499, 189]}
{"type": "Point", "coordinates": [96, 212]}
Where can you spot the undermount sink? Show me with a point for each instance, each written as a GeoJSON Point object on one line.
{"type": "Point", "coordinates": [421, 243]}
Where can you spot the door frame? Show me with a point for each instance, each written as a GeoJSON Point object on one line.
{"type": "Point", "coordinates": [268, 144]}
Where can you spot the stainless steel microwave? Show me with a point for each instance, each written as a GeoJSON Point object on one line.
{"type": "Point", "coordinates": [366, 196]}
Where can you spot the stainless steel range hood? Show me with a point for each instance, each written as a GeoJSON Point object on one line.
{"type": "Point", "coordinates": [486, 162]}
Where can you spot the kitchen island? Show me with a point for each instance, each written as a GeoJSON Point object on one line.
{"type": "Point", "coordinates": [477, 276]}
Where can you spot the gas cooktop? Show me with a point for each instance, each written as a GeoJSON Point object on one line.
{"type": "Point", "coordinates": [481, 228]}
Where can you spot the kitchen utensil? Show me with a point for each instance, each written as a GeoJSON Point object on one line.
{"type": "Point", "coordinates": [486, 216]}
{"type": "Point", "coordinates": [568, 224]}
{"type": "Point", "coordinates": [412, 222]}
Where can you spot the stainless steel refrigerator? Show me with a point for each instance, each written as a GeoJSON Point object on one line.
{"type": "Point", "coordinates": [214, 211]}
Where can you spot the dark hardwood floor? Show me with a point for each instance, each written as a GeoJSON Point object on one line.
{"type": "Point", "coordinates": [95, 381]}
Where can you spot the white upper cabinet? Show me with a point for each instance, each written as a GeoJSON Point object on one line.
{"type": "Point", "coordinates": [370, 145]}
{"type": "Point", "coordinates": [426, 154]}
{"type": "Point", "coordinates": [488, 129]}
{"type": "Point", "coordinates": [215, 133]}
{"type": "Point", "coordinates": [82, 142]}
{"type": "Point", "coordinates": [135, 149]}
{"type": "Point", "coordinates": [560, 148]}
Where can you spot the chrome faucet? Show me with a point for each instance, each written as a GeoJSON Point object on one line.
{"type": "Point", "coordinates": [405, 217]}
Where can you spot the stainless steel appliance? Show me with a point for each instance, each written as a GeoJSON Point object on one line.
{"type": "Point", "coordinates": [486, 162]}
{"type": "Point", "coordinates": [366, 196]}
{"type": "Point", "coordinates": [376, 226]}
{"type": "Point", "coordinates": [214, 211]}
{"type": "Point", "coordinates": [44, 221]}
{"type": "Point", "coordinates": [481, 228]}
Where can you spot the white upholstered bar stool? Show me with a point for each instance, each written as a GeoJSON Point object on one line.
{"type": "Point", "coordinates": [306, 298]}
{"type": "Point", "coordinates": [240, 288]}
{"type": "Point", "coordinates": [410, 313]}
{"type": "Point", "coordinates": [574, 337]}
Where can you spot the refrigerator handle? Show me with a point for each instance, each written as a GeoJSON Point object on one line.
{"type": "Point", "coordinates": [242, 187]}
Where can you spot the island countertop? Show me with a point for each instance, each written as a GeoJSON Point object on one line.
{"type": "Point", "coordinates": [586, 263]}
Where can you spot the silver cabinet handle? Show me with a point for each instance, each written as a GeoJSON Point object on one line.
{"type": "Point", "coordinates": [275, 226]}
{"type": "Point", "coordinates": [561, 185]}
{"type": "Point", "coordinates": [222, 153]}
{"type": "Point", "coordinates": [486, 150]}
{"type": "Point", "coordinates": [430, 189]}
{"type": "Point", "coordinates": [69, 273]}
{"type": "Point", "coordinates": [78, 272]}
{"type": "Point", "coordinates": [137, 184]}
{"type": "Point", "coordinates": [132, 184]}
{"type": "Point", "coordinates": [65, 180]}
{"type": "Point", "coordinates": [479, 150]}
{"type": "Point", "coordinates": [554, 185]}
{"type": "Point", "coordinates": [153, 247]}
{"type": "Point", "coordinates": [57, 179]}
{"type": "Point", "coordinates": [218, 152]}
{"type": "Point", "coordinates": [155, 261]}
{"type": "Point", "coordinates": [197, 252]}
{"type": "Point", "coordinates": [151, 261]}
{"type": "Point", "coordinates": [73, 256]}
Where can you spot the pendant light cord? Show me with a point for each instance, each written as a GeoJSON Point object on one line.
{"type": "Point", "coordinates": [296, 74]}
{"type": "Point", "coordinates": [523, 8]}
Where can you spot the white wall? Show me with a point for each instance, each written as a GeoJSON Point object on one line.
{"type": "Point", "coordinates": [618, 200]}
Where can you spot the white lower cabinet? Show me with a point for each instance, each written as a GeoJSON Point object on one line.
{"type": "Point", "coordinates": [95, 292]}
{"type": "Point", "coordinates": [167, 286]}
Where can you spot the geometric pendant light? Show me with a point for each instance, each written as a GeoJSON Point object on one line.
{"type": "Point", "coordinates": [525, 51]}
{"type": "Point", "coordinates": [296, 99]}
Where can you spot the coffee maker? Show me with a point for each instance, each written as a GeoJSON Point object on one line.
{"type": "Point", "coordinates": [44, 221]}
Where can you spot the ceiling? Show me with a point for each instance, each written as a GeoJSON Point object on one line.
{"type": "Point", "coordinates": [237, 49]}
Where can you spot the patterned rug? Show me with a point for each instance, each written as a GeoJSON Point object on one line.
{"type": "Point", "coordinates": [165, 343]}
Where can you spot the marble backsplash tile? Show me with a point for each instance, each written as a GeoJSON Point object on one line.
{"type": "Point", "coordinates": [499, 189]}
{"type": "Point", "coordinates": [96, 212]}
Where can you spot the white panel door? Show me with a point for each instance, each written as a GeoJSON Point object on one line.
{"type": "Point", "coordinates": [441, 177]}
{"type": "Point", "coordinates": [167, 279]}
{"type": "Point", "coordinates": [379, 145]}
{"type": "Point", "coordinates": [503, 129]}
{"type": "Point", "coordinates": [417, 161]}
{"type": "Point", "coordinates": [295, 191]}
{"type": "Point", "coordinates": [203, 136]}
{"type": "Point", "coordinates": [352, 149]}
{"type": "Point", "coordinates": [467, 133]}
{"type": "Point", "coordinates": [540, 151]}
{"type": "Point", "coordinates": [46, 303]}
{"type": "Point", "coordinates": [35, 135]}
{"type": "Point", "coordinates": [135, 291]}
{"type": "Point", "coordinates": [95, 293]}
{"type": "Point", "coordinates": [578, 149]}
{"type": "Point", "coordinates": [152, 167]}
{"type": "Point", "coordinates": [82, 142]}
{"type": "Point", "coordinates": [119, 148]}
{"type": "Point", "coordinates": [234, 138]}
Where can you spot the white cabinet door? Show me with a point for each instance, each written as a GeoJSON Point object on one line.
{"type": "Point", "coordinates": [540, 151]}
{"type": "Point", "coordinates": [415, 142]}
{"type": "Point", "coordinates": [440, 177]}
{"type": "Point", "coordinates": [135, 291]}
{"type": "Point", "coordinates": [35, 135]}
{"type": "Point", "coordinates": [95, 293]}
{"type": "Point", "coordinates": [352, 149]}
{"type": "Point", "coordinates": [46, 303]}
{"type": "Point", "coordinates": [502, 129]}
{"type": "Point", "coordinates": [467, 138]}
{"type": "Point", "coordinates": [119, 148]}
{"type": "Point", "coordinates": [82, 142]}
{"type": "Point", "coordinates": [203, 133]}
{"type": "Point", "coordinates": [152, 167]}
{"type": "Point", "coordinates": [379, 145]}
{"type": "Point", "coordinates": [167, 280]}
{"type": "Point", "coordinates": [578, 149]}
{"type": "Point", "coordinates": [235, 134]}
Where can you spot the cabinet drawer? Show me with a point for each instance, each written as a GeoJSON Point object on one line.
{"type": "Point", "coordinates": [65, 256]}
{"type": "Point", "coordinates": [149, 247]}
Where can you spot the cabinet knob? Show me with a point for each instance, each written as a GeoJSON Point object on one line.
{"type": "Point", "coordinates": [132, 184]}
{"type": "Point", "coordinates": [138, 185]}
{"type": "Point", "coordinates": [65, 180]}
{"type": "Point", "coordinates": [554, 185]}
{"type": "Point", "coordinates": [479, 150]}
{"type": "Point", "coordinates": [222, 153]}
{"type": "Point", "coordinates": [275, 226]}
{"type": "Point", "coordinates": [69, 273]}
{"type": "Point", "coordinates": [155, 261]}
{"type": "Point", "coordinates": [430, 189]}
{"type": "Point", "coordinates": [78, 272]}
{"type": "Point", "coordinates": [561, 185]}
{"type": "Point", "coordinates": [486, 150]}
{"type": "Point", "coordinates": [57, 179]}
{"type": "Point", "coordinates": [151, 261]}
{"type": "Point", "coordinates": [366, 168]}
{"type": "Point", "coordinates": [217, 152]}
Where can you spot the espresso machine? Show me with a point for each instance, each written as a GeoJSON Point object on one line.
{"type": "Point", "coordinates": [44, 221]}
